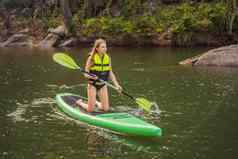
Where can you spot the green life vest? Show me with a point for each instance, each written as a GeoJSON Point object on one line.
{"type": "Point", "coordinates": [101, 66]}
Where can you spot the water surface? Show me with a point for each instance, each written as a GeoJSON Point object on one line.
{"type": "Point", "coordinates": [199, 106]}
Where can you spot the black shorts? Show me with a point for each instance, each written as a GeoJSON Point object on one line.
{"type": "Point", "coordinates": [98, 85]}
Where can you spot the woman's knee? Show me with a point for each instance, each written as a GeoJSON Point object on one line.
{"type": "Point", "coordinates": [105, 106]}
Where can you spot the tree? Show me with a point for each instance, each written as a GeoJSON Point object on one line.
{"type": "Point", "coordinates": [234, 13]}
{"type": "Point", "coordinates": [94, 7]}
{"type": "Point", "coordinates": [7, 6]}
{"type": "Point", "coordinates": [67, 15]}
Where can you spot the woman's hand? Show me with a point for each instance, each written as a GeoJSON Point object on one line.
{"type": "Point", "coordinates": [89, 76]}
{"type": "Point", "coordinates": [94, 77]}
{"type": "Point", "coordinates": [119, 88]}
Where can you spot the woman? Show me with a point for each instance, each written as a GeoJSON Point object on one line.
{"type": "Point", "coordinates": [99, 64]}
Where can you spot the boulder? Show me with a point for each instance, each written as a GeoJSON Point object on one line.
{"type": "Point", "coordinates": [223, 56]}
{"type": "Point", "coordinates": [53, 38]}
{"type": "Point", "coordinates": [18, 40]}
{"type": "Point", "coordinates": [163, 39]}
{"type": "Point", "coordinates": [60, 30]}
{"type": "Point", "coordinates": [69, 43]}
{"type": "Point", "coordinates": [49, 41]}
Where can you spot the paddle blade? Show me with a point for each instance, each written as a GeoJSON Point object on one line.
{"type": "Point", "coordinates": [144, 103]}
{"type": "Point", "coordinates": [65, 60]}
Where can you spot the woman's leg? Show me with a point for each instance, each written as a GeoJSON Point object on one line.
{"type": "Point", "coordinates": [92, 92]}
{"type": "Point", "coordinates": [103, 95]}
{"type": "Point", "coordinates": [91, 99]}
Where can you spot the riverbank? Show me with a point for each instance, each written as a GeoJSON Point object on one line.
{"type": "Point", "coordinates": [177, 25]}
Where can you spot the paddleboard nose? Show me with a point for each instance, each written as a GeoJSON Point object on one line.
{"type": "Point", "coordinates": [158, 132]}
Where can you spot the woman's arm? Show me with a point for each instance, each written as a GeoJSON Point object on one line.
{"type": "Point", "coordinates": [88, 65]}
{"type": "Point", "coordinates": [112, 77]}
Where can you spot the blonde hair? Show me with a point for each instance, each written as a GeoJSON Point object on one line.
{"type": "Point", "coordinates": [97, 43]}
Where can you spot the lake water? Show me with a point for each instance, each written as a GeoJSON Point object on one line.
{"type": "Point", "coordinates": [199, 106]}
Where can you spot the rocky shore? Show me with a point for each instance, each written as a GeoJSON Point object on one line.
{"type": "Point", "coordinates": [57, 37]}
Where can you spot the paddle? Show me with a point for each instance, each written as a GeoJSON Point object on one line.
{"type": "Point", "coordinates": [65, 60]}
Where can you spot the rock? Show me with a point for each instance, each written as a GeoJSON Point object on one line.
{"type": "Point", "coordinates": [50, 40]}
{"type": "Point", "coordinates": [164, 39]}
{"type": "Point", "coordinates": [190, 61]}
{"type": "Point", "coordinates": [85, 40]}
{"type": "Point", "coordinates": [223, 56]}
{"type": "Point", "coordinates": [69, 43]}
{"type": "Point", "coordinates": [123, 40]}
{"type": "Point", "coordinates": [53, 38]}
{"type": "Point", "coordinates": [60, 30]}
{"type": "Point", "coordinates": [24, 31]}
{"type": "Point", "coordinates": [19, 40]}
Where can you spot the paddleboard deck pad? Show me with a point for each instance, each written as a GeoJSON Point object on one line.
{"type": "Point", "coordinates": [121, 122]}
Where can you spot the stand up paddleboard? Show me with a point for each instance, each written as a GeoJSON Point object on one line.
{"type": "Point", "coordinates": [124, 123]}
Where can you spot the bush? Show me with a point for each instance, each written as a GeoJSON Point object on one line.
{"type": "Point", "coordinates": [116, 25]}
{"type": "Point", "coordinates": [199, 17]}
{"type": "Point", "coordinates": [90, 26]}
{"type": "Point", "coordinates": [106, 25]}
{"type": "Point", "coordinates": [145, 24]}
{"type": "Point", "coordinates": [52, 22]}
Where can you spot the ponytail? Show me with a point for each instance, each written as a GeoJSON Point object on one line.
{"type": "Point", "coordinates": [97, 43]}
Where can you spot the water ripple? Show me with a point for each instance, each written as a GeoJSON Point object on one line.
{"type": "Point", "coordinates": [17, 115]}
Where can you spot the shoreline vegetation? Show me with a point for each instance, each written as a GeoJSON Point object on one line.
{"type": "Point", "coordinates": [69, 23]}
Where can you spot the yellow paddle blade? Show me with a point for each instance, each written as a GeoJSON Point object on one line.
{"type": "Point", "coordinates": [144, 103]}
{"type": "Point", "coordinates": [65, 60]}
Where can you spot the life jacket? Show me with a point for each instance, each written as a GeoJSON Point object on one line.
{"type": "Point", "coordinates": [101, 66]}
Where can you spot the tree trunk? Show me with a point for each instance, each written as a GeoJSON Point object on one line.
{"type": "Point", "coordinates": [94, 8]}
{"type": "Point", "coordinates": [151, 7]}
{"type": "Point", "coordinates": [7, 22]}
{"type": "Point", "coordinates": [67, 16]}
{"type": "Point", "coordinates": [233, 16]}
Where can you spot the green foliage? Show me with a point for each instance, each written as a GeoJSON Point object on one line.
{"type": "Point", "coordinates": [106, 25]}
{"type": "Point", "coordinates": [213, 16]}
{"type": "Point", "coordinates": [130, 7]}
{"type": "Point", "coordinates": [113, 26]}
{"type": "Point", "coordinates": [134, 18]}
{"type": "Point", "coordinates": [183, 18]}
{"type": "Point", "coordinates": [200, 17]}
{"type": "Point", "coordinates": [52, 22]}
{"type": "Point", "coordinates": [90, 27]}
{"type": "Point", "coordinates": [145, 24]}
{"type": "Point", "coordinates": [116, 25]}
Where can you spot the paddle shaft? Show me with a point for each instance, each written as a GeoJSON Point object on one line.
{"type": "Point", "coordinates": [107, 83]}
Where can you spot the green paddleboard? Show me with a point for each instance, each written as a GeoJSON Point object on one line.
{"type": "Point", "coordinates": [123, 123]}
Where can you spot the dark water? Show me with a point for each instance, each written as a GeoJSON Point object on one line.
{"type": "Point", "coordinates": [199, 106]}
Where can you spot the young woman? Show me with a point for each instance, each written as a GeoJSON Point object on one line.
{"type": "Point", "coordinates": [99, 64]}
